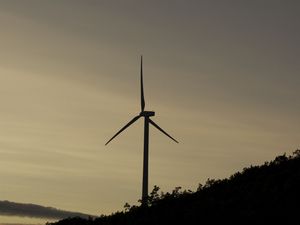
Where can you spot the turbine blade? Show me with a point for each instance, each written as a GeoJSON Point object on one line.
{"type": "Point", "coordinates": [154, 124]}
{"type": "Point", "coordinates": [142, 87]}
{"type": "Point", "coordinates": [127, 125]}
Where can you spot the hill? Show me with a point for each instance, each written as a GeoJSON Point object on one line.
{"type": "Point", "coordinates": [266, 194]}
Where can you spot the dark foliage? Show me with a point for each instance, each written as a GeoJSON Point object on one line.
{"type": "Point", "coordinates": [267, 194]}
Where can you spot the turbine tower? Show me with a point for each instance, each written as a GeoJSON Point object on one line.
{"type": "Point", "coordinates": [147, 120]}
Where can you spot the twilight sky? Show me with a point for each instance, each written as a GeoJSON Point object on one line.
{"type": "Point", "coordinates": [222, 76]}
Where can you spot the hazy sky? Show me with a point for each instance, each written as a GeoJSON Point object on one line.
{"type": "Point", "coordinates": [222, 76]}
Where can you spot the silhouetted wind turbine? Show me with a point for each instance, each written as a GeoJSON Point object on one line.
{"type": "Point", "coordinates": [146, 115]}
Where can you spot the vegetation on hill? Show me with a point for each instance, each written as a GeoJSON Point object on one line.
{"type": "Point", "coordinates": [258, 195]}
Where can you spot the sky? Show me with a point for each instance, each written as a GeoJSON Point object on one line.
{"type": "Point", "coordinates": [222, 77]}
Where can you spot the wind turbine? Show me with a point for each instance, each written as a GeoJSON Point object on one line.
{"type": "Point", "coordinates": [147, 120]}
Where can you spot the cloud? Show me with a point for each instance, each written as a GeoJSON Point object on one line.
{"type": "Point", "coordinates": [8, 208]}
{"type": "Point", "coordinates": [20, 224]}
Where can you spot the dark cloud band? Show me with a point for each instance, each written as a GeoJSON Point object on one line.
{"type": "Point", "coordinates": [8, 208]}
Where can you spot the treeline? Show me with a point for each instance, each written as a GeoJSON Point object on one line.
{"type": "Point", "coordinates": [266, 194]}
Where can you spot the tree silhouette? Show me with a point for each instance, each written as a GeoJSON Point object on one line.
{"type": "Point", "coordinates": [266, 194]}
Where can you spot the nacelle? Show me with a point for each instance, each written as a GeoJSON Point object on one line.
{"type": "Point", "coordinates": [147, 113]}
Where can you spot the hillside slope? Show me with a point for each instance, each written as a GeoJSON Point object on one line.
{"type": "Point", "coordinates": [264, 194]}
